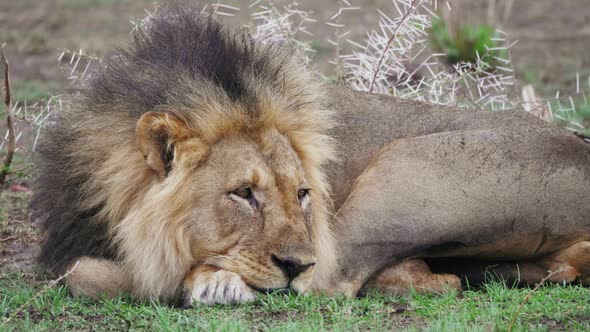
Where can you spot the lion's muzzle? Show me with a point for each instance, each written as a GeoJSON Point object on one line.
{"type": "Point", "coordinates": [292, 267]}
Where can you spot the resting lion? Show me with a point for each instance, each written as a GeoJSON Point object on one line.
{"type": "Point", "coordinates": [197, 165]}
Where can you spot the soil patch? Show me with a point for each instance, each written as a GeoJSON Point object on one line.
{"type": "Point", "coordinates": [19, 237]}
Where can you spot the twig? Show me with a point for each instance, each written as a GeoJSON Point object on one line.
{"type": "Point", "coordinates": [528, 297]}
{"type": "Point", "coordinates": [11, 146]}
{"type": "Point", "coordinates": [45, 289]}
{"type": "Point", "coordinates": [389, 42]}
{"type": "Point", "coordinates": [18, 146]}
{"type": "Point", "coordinates": [8, 238]}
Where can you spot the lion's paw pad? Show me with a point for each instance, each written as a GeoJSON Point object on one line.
{"type": "Point", "coordinates": [221, 287]}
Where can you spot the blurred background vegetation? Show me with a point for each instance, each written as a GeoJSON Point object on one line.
{"type": "Point", "coordinates": [553, 36]}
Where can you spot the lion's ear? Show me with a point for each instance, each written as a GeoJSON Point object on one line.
{"type": "Point", "coordinates": [157, 133]}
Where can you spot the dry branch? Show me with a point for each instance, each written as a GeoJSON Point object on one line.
{"type": "Point", "coordinates": [41, 292]}
{"type": "Point", "coordinates": [529, 295]}
{"type": "Point", "coordinates": [389, 42]}
{"type": "Point", "coordinates": [11, 146]}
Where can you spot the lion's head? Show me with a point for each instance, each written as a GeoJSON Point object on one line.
{"type": "Point", "coordinates": [241, 192]}
{"type": "Point", "coordinates": [201, 146]}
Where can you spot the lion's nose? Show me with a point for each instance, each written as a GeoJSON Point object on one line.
{"type": "Point", "coordinates": [291, 266]}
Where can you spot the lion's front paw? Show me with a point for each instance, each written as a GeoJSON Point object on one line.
{"type": "Point", "coordinates": [216, 287]}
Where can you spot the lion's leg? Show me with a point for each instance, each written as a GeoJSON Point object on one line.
{"type": "Point", "coordinates": [475, 272]}
{"type": "Point", "coordinates": [412, 274]}
{"type": "Point", "coordinates": [563, 266]}
{"type": "Point", "coordinates": [573, 262]}
{"type": "Point", "coordinates": [567, 265]}
{"type": "Point", "coordinates": [206, 284]}
{"type": "Point", "coordinates": [95, 277]}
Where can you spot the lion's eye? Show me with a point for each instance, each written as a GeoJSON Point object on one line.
{"type": "Point", "coordinates": [244, 192]}
{"type": "Point", "coordinates": [301, 193]}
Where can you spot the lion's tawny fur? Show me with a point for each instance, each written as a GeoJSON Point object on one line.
{"type": "Point", "coordinates": [95, 195]}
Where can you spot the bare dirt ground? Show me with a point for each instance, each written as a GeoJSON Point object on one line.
{"type": "Point", "coordinates": [553, 45]}
{"type": "Point", "coordinates": [18, 236]}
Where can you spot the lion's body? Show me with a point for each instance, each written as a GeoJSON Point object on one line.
{"type": "Point", "coordinates": [430, 181]}
{"type": "Point", "coordinates": [368, 122]}
{"type": "Point", "coordinates": [195, 161]}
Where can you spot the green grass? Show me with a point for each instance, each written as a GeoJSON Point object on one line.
{"type": "Point", "coordinates": [32, 90]}
{"type": "Point", "coordinates": [489, 309]}
{"type": "Point", "coordinates": [580, 115]}
{"type": "Point", "coordinates": [465, 43]}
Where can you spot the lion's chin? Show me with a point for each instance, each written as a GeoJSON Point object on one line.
{"type": "Point", "coordinates": [296, 286]}
{"type": "Point", "coordinates": [281, 290]}
{"type": "Point", "coordinates": [300, 285]}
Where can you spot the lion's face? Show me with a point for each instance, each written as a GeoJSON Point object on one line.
{"type": "Point", "coordinates": [252, 211]}
{"type": "Point", "coordinates": [246, 195]}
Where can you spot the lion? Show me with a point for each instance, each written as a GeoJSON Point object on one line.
{"type": "Point", "coordinates": [190, 166]}
{"type": "Point", "coordinates": [200, 167]}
